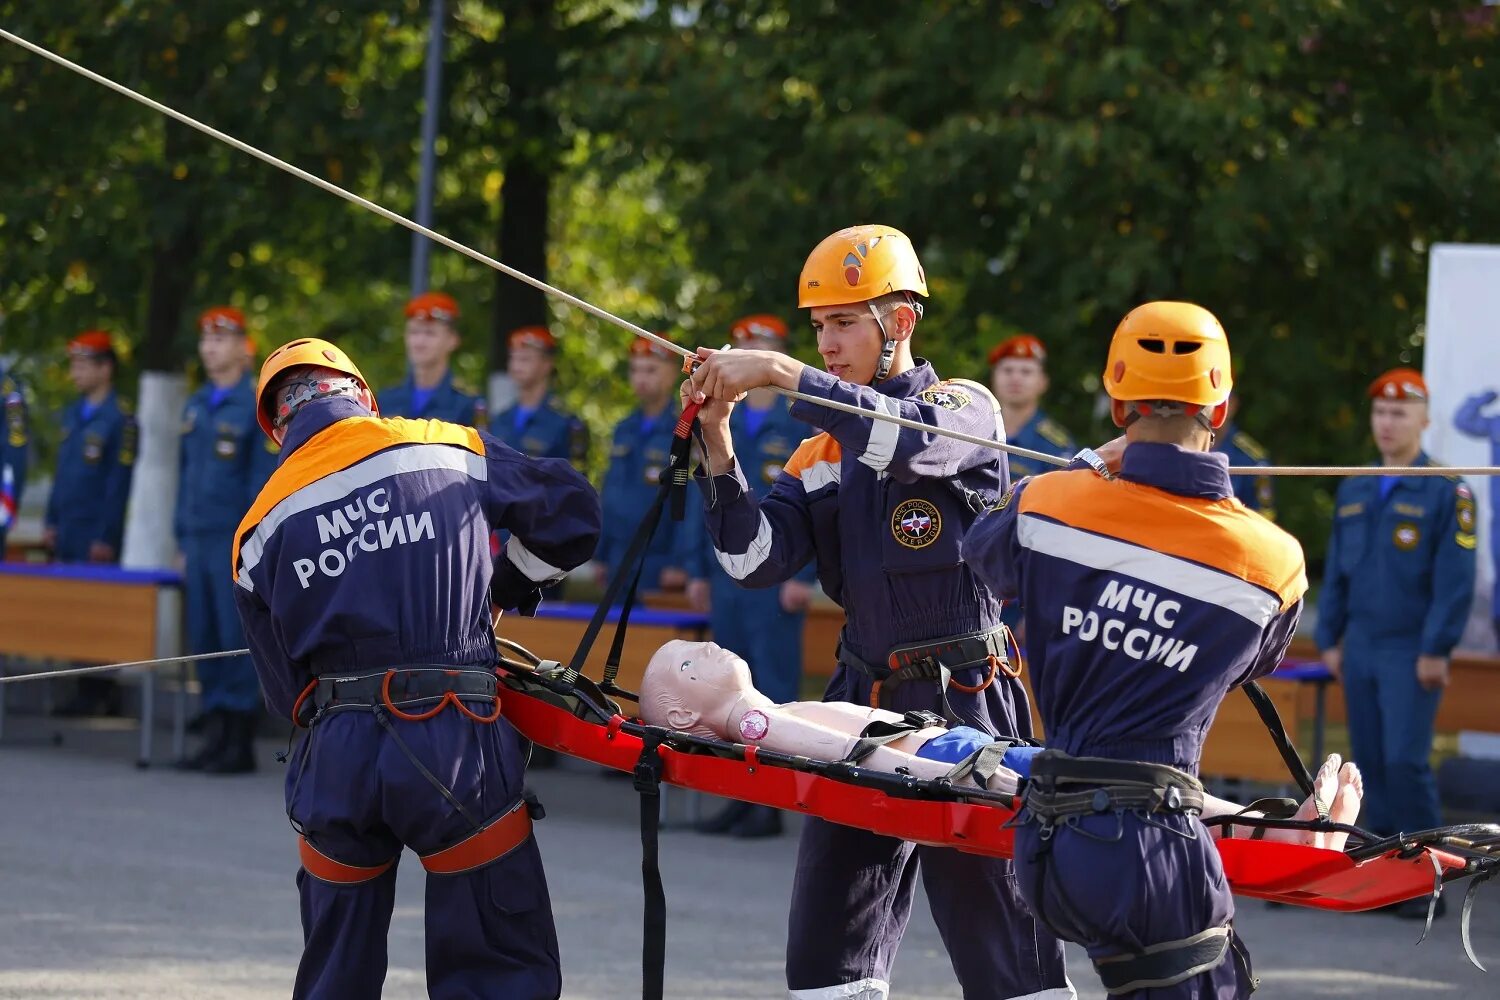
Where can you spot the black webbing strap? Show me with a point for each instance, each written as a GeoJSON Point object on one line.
{"type": "Point", "coordinates": [432, 779]}
{"type": "Point", "coordinates": [981, 764]}
{"type": "Point", "coordinates": [648, 772]}
{"type": "Point", "coordinates": [1165, 964]}
{"type": "Point", "coordinates": [1266, 709]}
{"type": "Point", "coordinates": [880, 733]}
{"type": "Point", "coordinates": [617, 647]}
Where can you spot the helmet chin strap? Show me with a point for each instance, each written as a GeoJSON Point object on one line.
{"type": "Point", "coordinates": [887, 350]}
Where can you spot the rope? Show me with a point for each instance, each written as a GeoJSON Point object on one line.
{"type": "Point", "coordinates": [149, 664]}
{"type": "Point", "coordinates": [608, 317]}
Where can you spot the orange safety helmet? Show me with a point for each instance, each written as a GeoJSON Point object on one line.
{"type": "Point", "coordinates": [1172, 351]}
{"type": "Point", "coordinates": [295, 354]}
{"type": "Point", "coordinates": [760, 325]}
{"type": "Point", "coordinates": [859, 264]}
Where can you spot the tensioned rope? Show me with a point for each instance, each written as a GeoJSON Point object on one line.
{"type": "Point", "coordinates": [608, 317]}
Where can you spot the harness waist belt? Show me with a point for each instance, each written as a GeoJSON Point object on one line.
{"type": "Point", "coordinates": [398, 687]}
{"type": "Point", "coordinates": [1062, 786]}
{"type": "Point", "coordinates": [922, 661]}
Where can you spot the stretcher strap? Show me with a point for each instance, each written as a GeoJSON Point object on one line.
{"type": "Point", "coordinates": [648, 775]}
{"type": "Point", "coordinates": [1266, 708]}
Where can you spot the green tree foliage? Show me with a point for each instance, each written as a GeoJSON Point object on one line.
{"type": "Point", "coordinates": [1285, 162]}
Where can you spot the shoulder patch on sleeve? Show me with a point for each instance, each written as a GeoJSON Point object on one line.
{"type": "Point", "coordinates": [1054, 432]}
{"type": "Point", "coordinates": [948, 395]}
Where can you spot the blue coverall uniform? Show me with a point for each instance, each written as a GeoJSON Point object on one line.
{"type": "Point", "coordinates": [1472, 420]}
{"type": "Point", "coordinates": [222, 461]}
{"type": "Point", "coordinates": [548, 431]}
{"type": "Point", "coordinates": [1041, 433]}
{"type": "Point", "coordinates": [1255, 492]}
{"type": "Point", "coordinates": [369, 550]}
{"type": "Point", "coordinates": [751, 621]}
{"type": "Point", "coordinates": [641, 449]}
{"type": "Point", "coordinates": [444, 401]}
{"type": "Point", "coordinates": [94, 467]}
{"type": "Point", "coordinates": [1397, 584]}
{"type": "Point", "coordinates": [876, 506]}
{"type": "Point", "coordinates": [15, 445]}
{"type": "Point", "coordinates": [1147, 600]}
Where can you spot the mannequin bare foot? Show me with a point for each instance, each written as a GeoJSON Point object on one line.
{"type": "Point", "coordinates": [1319, 803]}
{"type": "Point", "coordinates": [1345, 804]}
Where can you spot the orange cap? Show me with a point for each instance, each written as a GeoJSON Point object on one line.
{"type": "Point", "coordinates": [226, 319]}
{"type": "Point", "coordinates": [91, 343]}
{"type": "Point", "coordinates": [760, 325]}
{"type": "Point", "coordinates": [433, 305]}
{"type": "Point", "coordinates": [651, 349]}
{"type": "Point", "coordinates": [532, 336]}
{"type": "Point", "coordinates": [1022, 345]}
{"type": "Point", "coordinates": [1399, 384]}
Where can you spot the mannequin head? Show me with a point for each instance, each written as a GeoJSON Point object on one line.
{"type": "Point", "coordinates": [694, 686]}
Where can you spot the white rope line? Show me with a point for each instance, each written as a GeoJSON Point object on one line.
{"type": "Point", "coordinates": [147, 664]}
{"type": "Point", "coordinates": [626, 325]}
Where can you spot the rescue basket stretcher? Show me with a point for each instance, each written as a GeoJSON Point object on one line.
{"type": "Point", "coordinates": [564, 715]}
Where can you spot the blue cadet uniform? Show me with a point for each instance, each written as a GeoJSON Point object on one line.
{"type": "Point", "coordinates": [881, 509]}
{"type": "Point", "coordinates": [15, 444]}
{"type": "Point", "coordinates": [1471, 420]}
{"type": "Point", "coordinates": [94, 466]}
{"type": "Point", "coordinates": [1042, 434]}
{"type": "Point", "coordinates": [367, 559]}
{"type": "Point", "coordinates": [639, 452]}
{"type": "Point", "coordinates": [1255, 492]}
{"type": "Point", "coordinates": [1398, 582]}
{"type": "Point", "coordinates": [222, 462]}
{"type": "Point", "coordinates": [548, 431]}
{"type": "Point", "coordinates": [444, 401]}
{"type": "Point", "coordinates": [751, 621]}
{"type": "Point", "coordinates": [1147, 600]}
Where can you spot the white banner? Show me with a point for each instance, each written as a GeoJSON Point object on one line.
{"type": "Point", "coordinates": [1461, 361]}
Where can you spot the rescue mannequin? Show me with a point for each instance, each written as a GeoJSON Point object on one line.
{"type": "Point", "coordinates": [703, 689]}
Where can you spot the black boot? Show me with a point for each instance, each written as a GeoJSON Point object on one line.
{"type": "Point", "coordinates": [237, 755]}
{"type": "Point", "coordinates": [759, 821]}
{"type": "Point", "coordinates": [215, 725]}
{"type": "Point", "coordinates": [727, 818]}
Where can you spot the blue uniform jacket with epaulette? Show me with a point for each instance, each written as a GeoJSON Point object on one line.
{"type": "Point", "coordinates": [446, 402]}
{"type": "Point", "coordinates": [548, 431]}
{"type": "Point", "coordinates": [878, 506]}
{"type": "Point", "coordinates": [223, 459]}
{"type": "Point", "coordinates": [1256, 492]}
{"type": "Point", "coordinates": [1042, 434]}
{"type": "Point", "coordinates": [94, 466]}
{"type": "Point", "coordinates": [639, 451]}
{"type": "Point", "coordinates": [15, 446]}
{"type": "Point", "coordinates": [369, 547]}
{"type": "Point", "coordinates": [1146, 599]}
{"type": "Point", "coordinates": [1399, 570]}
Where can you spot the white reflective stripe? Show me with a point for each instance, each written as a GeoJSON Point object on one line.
{"type": "Point", "coordinates": [883, 436]}
{"type": "Point", "coordinates": [819, 475]}
{"type": "Point", "coordinates": [1056, 993]}
{"type": "Point", "coordinates": [741, 566]}
{"type": "Point", "coordinates": [865, 989]}
{"type": "Point", "coordinates": [1157, 568]}
{"type": "Point", "coordinates": [337, 485]}
{"type": "Point", "coordinates": [534, 569]}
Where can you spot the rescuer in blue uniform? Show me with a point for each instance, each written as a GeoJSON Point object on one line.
{"type": "Point", "coordinates": [639, 451]}
{"type": "Point", "coordinates": [85, 517]}
{"type": "Point", "coordinates": [1018, 376]}
{"type": "Point", "coordinates": [537, 423]}
{"type": "Point", "coordinates": [431, 337]}
{"type": "Point", "coordinates": [364, 577]}
{"type": "Point", "coordinates": [15, 446]}
{"type": "Point", "coordinates": [1398, 582]}
{"type": "Point", "coordinates": [1147, 600]}
{"type": "Point", "coordinates": [881, 508]}
{"type": "Point", "coordinates": [222, 462]}
{"type": "Point", "coordinates": [763, 625]}
{"type": "Point", "coordinates": [1256, 492]}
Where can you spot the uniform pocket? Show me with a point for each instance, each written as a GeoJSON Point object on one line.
{"type": "Point", "coordinates": [923, 525]}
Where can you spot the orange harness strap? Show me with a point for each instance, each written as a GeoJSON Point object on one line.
{"type": "Point", "coordinates": [494, 841]}
{"type": "Point", "coordinates": [321, 866]}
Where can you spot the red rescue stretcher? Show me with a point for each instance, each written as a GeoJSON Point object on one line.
{"type": "Point", "coordinates": [927, 812]}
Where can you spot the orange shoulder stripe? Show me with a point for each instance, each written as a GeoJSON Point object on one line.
{"type": "Point", "coordinates": [1222, 534]}
{"type": "Point", "coordinates": [357, 439]}
{"type": "Point", "coordinates": [819, 448]}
